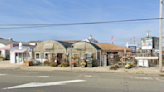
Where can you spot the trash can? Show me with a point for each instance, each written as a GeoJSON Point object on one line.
{"type": "Point", "coordinates": [89, 63]}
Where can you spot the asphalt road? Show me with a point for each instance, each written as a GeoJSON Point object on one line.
{"type": "Point", "coordinates": [55, 81]}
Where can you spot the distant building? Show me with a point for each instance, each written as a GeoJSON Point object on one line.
{"type": "Point", "coordinates": [90, 40]}
{"type": "Point", "coordinates": [34, 43]}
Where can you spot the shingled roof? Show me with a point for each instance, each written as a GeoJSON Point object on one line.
{"type": "Point", "coordinates": [111, 47]}
{"type": "Point", "coordinates": [69, 41]}
{"type": "Point", "coordinates": [7, 42]}
{"type": "Point", "coordinates": [65, 44]}
{"type": "Point", "coordinates": [35, 41]}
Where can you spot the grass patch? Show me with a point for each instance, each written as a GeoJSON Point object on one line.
{"type": "Point", "coordinates": [139, 72]}
{"type": "Point", "coordinates": [17, 68]}
{"type": "Point", "coordinates": [126, 71]}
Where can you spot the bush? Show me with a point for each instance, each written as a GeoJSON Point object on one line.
{"type": "Point", "coordinates": [53, 64]}
{"type": "Point", "coordinates": [46, 63]}
{"type": "Point", "coordinates": [35, 62]}
{"type": "Point", "coordinates": [64, 64]}
{"type": "Point", "coordinates": [73, 63]}
{"type": "Point", "coordinates": [83, 63]}
{"type": "Point", "coordinates": [3, 58]}
{"type": "Point", "coordinates": [113, 67]}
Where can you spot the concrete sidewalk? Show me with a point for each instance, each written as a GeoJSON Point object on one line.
{"type": "Point", "coordinates": [7, 64]}
{"type": "Point", "coordinates": [150, 70]}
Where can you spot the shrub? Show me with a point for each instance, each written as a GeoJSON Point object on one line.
{"type": "Point", "coordinates": [64, 64]}
{"type": "Point", "coordinates": [46, 62]}
{"type": "Point", "coordinates": [35, 62]}
{"type": "Point", "coordinates": [83, 63]}
{"type": "Point", "coordinates": [53, 64]}
{"type": "Point", "coordinates": [3, 58]}
{"type": "Point", "coordinates": [73, 63]}
{"type": "Point", "coordinates": [113, 67]}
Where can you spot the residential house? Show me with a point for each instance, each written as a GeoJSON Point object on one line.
{"type": "Point", "coordinates": [5, 52]}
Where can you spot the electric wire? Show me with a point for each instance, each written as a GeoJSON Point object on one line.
{"type": "Point", "coordinates": [68, 24]}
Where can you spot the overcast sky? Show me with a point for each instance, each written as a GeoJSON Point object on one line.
{"type": "Point", "coordinates": [79, 11]}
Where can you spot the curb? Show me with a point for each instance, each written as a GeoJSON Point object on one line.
{"type": "Point", "coordinates": [114, 71]}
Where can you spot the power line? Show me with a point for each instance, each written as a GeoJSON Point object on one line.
{"type": "Point", "coordinates": [157, 2]}
{"type": "Point", "coordinates": [51, 25]}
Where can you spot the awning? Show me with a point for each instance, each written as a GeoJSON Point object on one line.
{"type": "Point", "coordinates": [79, 46]}
{"type": "Point", "coordinates": [146, 57]}
{"type": "Point", "coordinates": [19, 51]}
{"type": "Point", "coordinates": [48, 46]}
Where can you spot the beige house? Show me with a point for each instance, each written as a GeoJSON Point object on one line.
{"type": "Point", "coordinates": [83, 49]}
{"type": "Point", "coordinates": [51, 51]}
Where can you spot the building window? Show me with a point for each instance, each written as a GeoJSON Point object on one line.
{"type": "Point", "coordinates": [37, 55]}
{"type": "Point", "coordinates": [46, 55]}
{"type": "Point", "coordinates": [0, 53]}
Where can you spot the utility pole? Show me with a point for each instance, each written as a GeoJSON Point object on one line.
{"type": "Point", "coordinates": [160, 37]}
{"type": "Point", "coordinates": [148, 33]}
{"type": "Point", "coordinates": [130, 40]}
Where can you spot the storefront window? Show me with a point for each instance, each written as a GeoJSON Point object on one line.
{"type": "Point", "coordinates": [37, 55]}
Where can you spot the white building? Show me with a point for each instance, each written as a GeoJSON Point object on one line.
{"type": "Point", "coordinates": [90, 39]}
{"type": "Point", "coordinates": [20, 53]}
{"type": "Point", "coordinates": [34, 43]}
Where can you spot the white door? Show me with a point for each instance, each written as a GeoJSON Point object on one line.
{"type": "Point", "coordinates": [140, 62]}
{"type": "Point", "coordinates": [146, 64]}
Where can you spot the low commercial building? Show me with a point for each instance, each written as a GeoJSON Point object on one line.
{"type": "Point", "coordinates": [81, 51]}
{"type": "Point", "coordinates": [51, 51]}
{"type": "Point", "coordinates": [110, 53]}
{"type": "Point", "coordinates": [19, 54]}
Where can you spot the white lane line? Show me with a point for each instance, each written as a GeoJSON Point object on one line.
{"type": "Point", "coordinates": [90, 76]}
{"type": "Point", "coordinates": [43, 76]}
{"type": "Point", "coordinates": [2, 74]}
{"type": "Point", "coordinates": [39, 84]}
{"type": "Point", "coordinates": [146, 78]}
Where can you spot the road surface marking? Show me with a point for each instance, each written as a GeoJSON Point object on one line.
{"type": "Point", "coordinates": [2, 74]}
{"type": "Point", "coordinates": [43, 76]}
{"type": "Point", "coordinates": [91, 76]}
{"type": "Point", "coordinates": [41, 84]}
{"type": "Point", "coordinates": [161, 85]}
{"type": "Point", "coordinates": [35, 76]}
{"type": "Point", "coordinates": [88, 76]}
{"type": "Point", "coordinates": [146, 78]}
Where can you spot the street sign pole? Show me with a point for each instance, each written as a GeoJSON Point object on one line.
{"type": "Point", "coordinates": [71, 57]}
